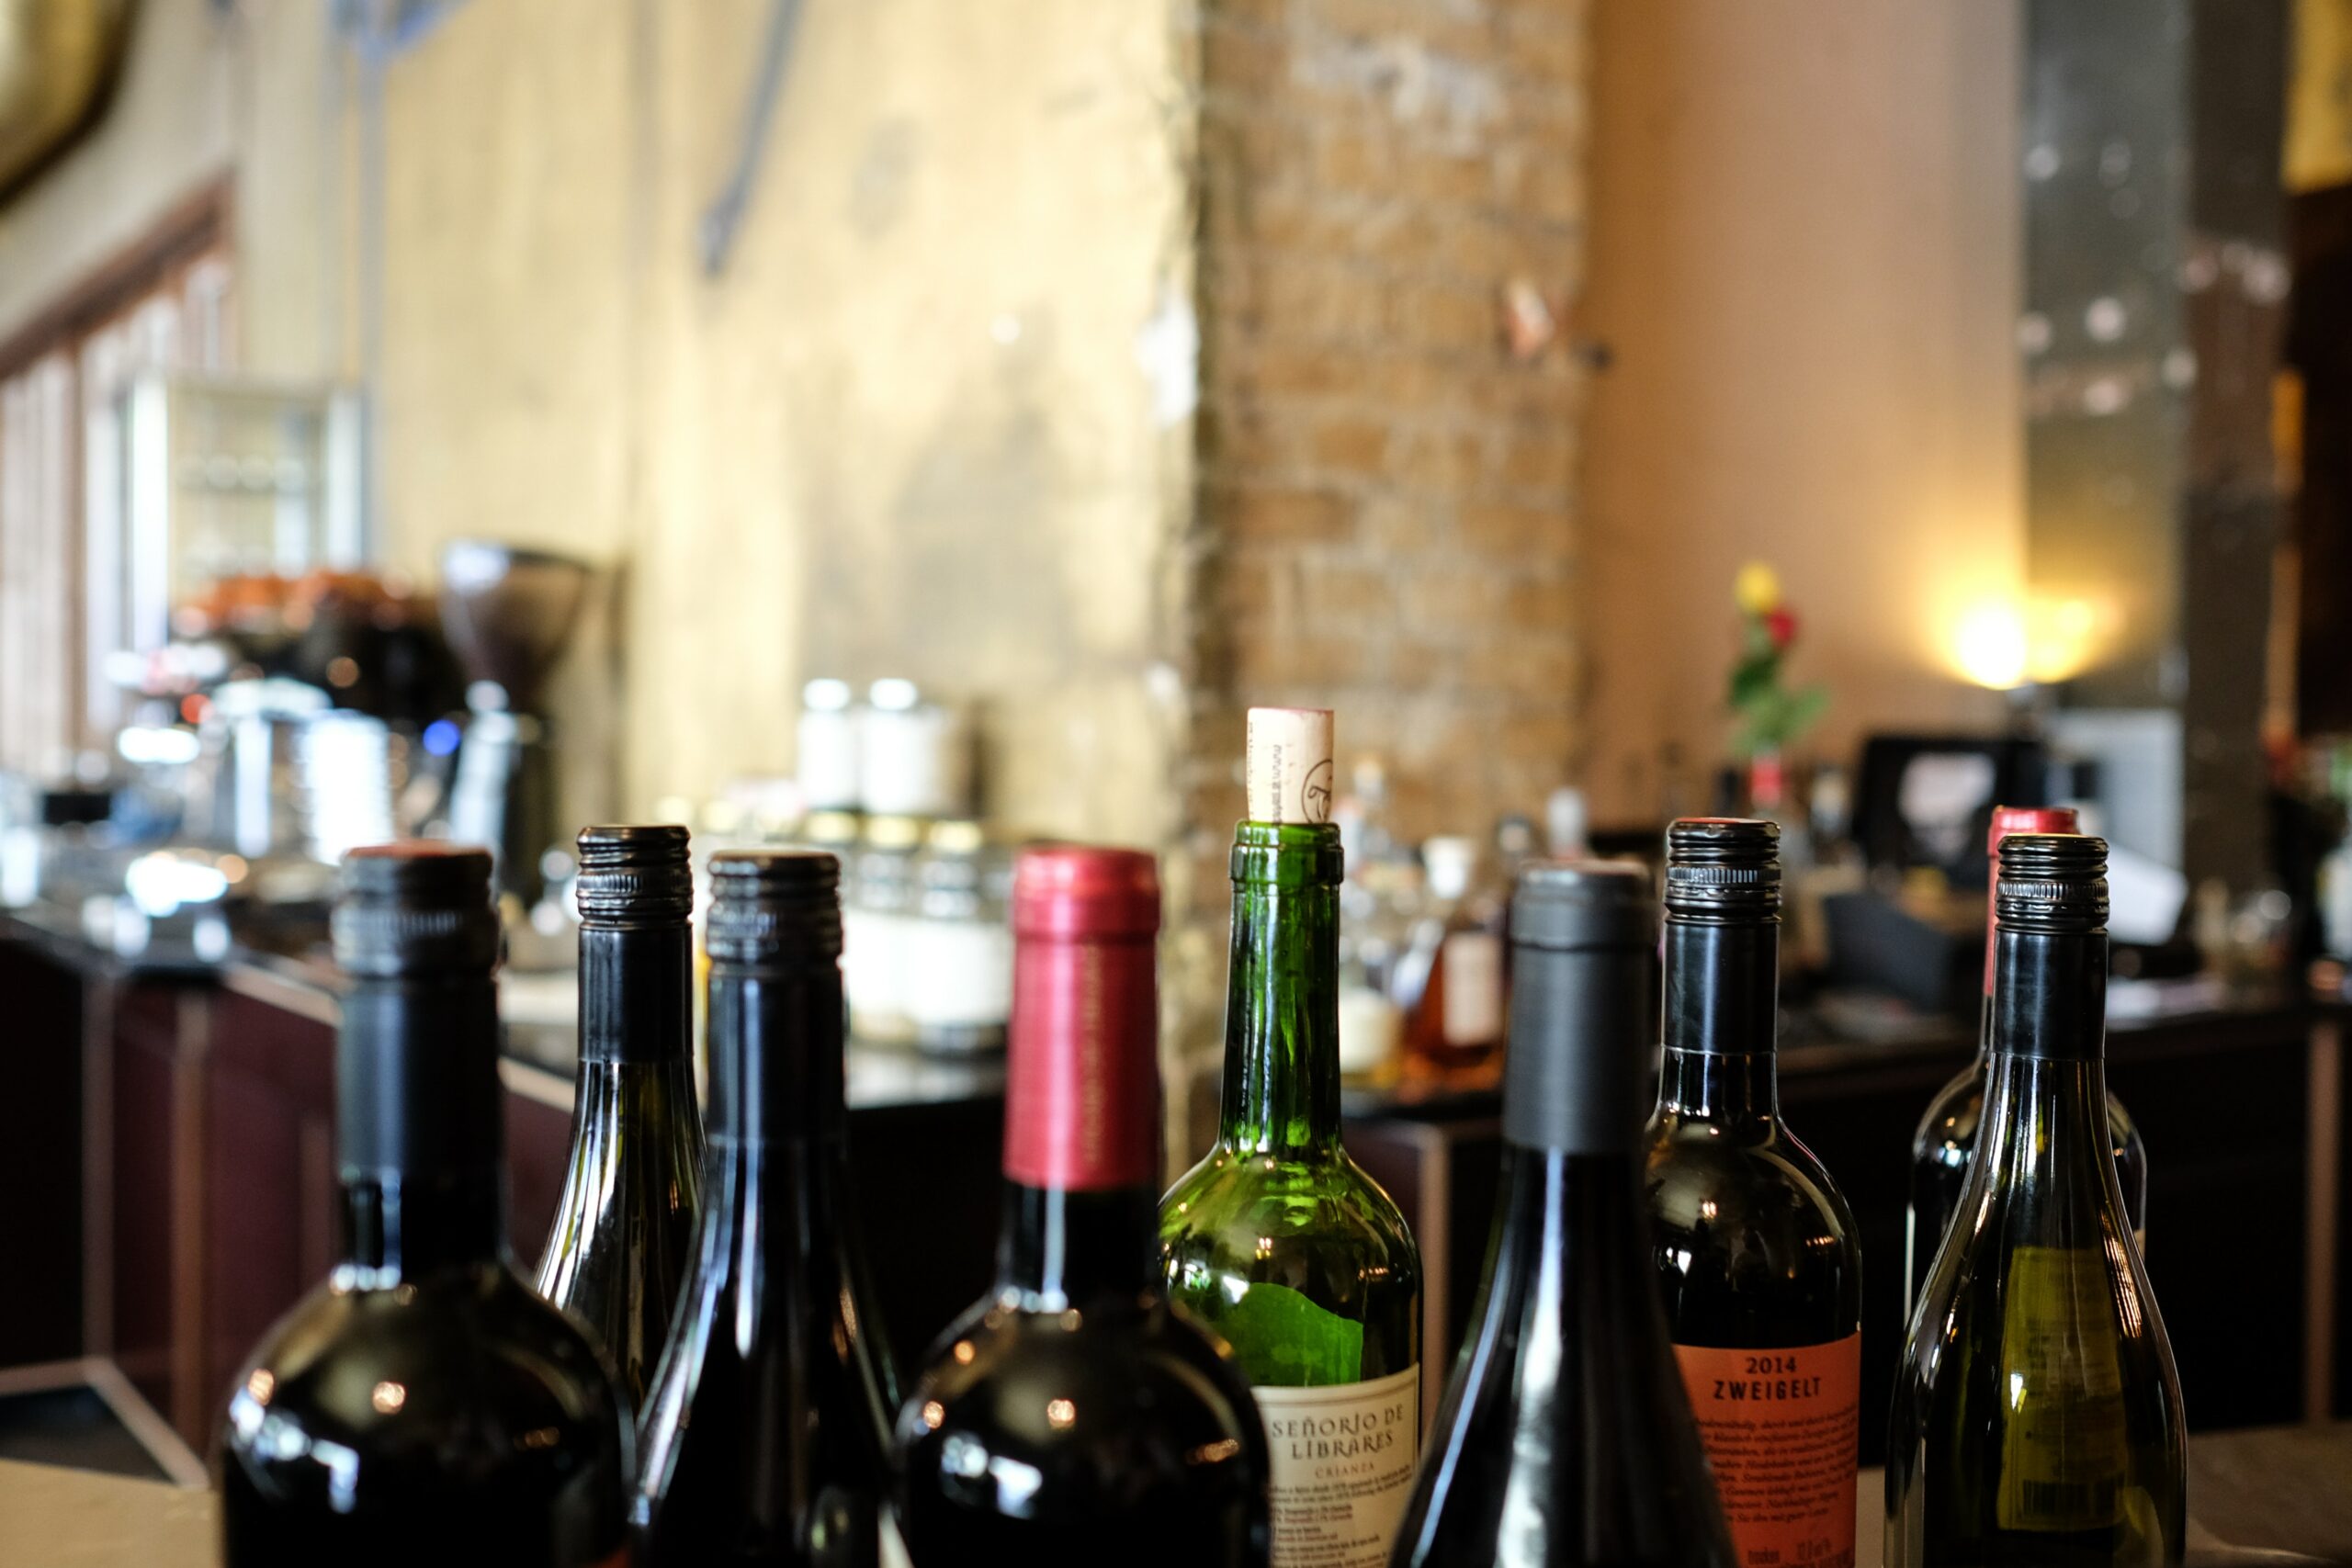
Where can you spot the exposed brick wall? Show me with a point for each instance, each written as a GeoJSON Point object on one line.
{"type": "Point", "coordinates": [1386, 519]}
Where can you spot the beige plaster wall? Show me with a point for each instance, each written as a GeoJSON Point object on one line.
{"type": "Point", "coordinates": [202, 97]}
{"type": "Point", "coordinates": [1807, 254]}
{"type": "Point", "coordinates": [908, 431]}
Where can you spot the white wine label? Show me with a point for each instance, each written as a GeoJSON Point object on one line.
{"type": "Point", "coordinates": [2065, 1452]}
{"type": "Point", "coordinates": [1343, 1468]}
{"type": "Point", "coordinates": [1471, 1013]}
{"type": "Point", "coordinates": [1289, 765]}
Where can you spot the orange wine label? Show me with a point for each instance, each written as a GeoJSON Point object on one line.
{"type": "Point", "coordinates": [1782, 1428]}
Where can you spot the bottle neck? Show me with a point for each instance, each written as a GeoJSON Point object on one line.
{"type": "Point", "coordinates": [419, 1127]}
{"type": "Point", "coordinates": [2045, 1127]}
{"type": "Point", "coordinates": [1063, 1248]}
{"type": "Point", "coordinates": [635, 1004]}
{"type": "Point", "coordinates": [1282, 1010]}
{"type": "Point", "coordinates": [1722, 993]}
{"type": "Point", "coordinates": [1576, 1071]}
{"type": "Point", "coordinates": [775, 1056]}
{"type": "Point", "coordinates": [1572, 1224]}
{"type": "Point", "coordinates": [2049, 995]}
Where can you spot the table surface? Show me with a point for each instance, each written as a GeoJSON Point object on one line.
{"type": "Point", "coordinates": [2273, 1489]}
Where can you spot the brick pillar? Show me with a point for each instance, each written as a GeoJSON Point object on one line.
{"type": "Point", "coordinates": [1386, 511]}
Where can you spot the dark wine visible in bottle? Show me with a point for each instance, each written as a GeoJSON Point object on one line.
{"type": "Point", "coordinates": [1756, 1251]}
{"type": "Point", "coordinates": [766, 1430]}
{"type": "Point", "coordinates": [1070, 1416]}
{"type": "Point", "coordinates": [624, 1227]}
{"type": "Point", "coordinates": [422, 1404]}
{"type": "Point", "coordinates": [1565, 1436]}
{"type": "Point", "coordinates": [1947, 1132]}
{"type": "Point", "coordinates": [2037, 1418]}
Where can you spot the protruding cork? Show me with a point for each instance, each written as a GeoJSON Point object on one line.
{"type": "Point", "coordinates": [1289, 774]}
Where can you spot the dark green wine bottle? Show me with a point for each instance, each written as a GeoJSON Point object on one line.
{"type": "Point", "coordinates": [2037, 1416]}
{"type": "Point", "coordinates": [422, 1404]}
{"type": "Point", "coordinates": [622, 1243]}
{"type": "Point", "coordinates": [1278, 1241]}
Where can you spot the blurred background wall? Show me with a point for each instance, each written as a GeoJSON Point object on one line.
{"type": "Point", "coordinates": [1805, 266]}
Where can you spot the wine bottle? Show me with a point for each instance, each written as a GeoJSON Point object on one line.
{"type": "Point", "coordinates": [1565, 1436]}
{"type": "Point", "coordinates": [2037, 1416]}
{"type": "Point", "coordinates": [422, 1397]}
{"type": "Point", "coordinates": [1071, 1416]}
{"type": "Point", "coordinates": [1757, 1261]}
{"type": "Point", "coordinates": [1277, 1240]}
{"type": "Point", "coordinates": [619, 1248]}
{"type": "Point", "coordinates": [1947, 1132]}
{"type": "Point", "coordinates": [767, 1431]}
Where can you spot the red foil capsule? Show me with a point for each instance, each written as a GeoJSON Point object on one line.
{"type": "Point", "coordinates": [1081, 1096]}
{"type": "Point", "coordinates": [2007, 819]}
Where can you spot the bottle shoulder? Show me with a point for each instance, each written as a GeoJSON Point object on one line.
{"type": "Point", "coordinates": [467, 1362]}
{"type": "Point", "coordinates": [1696, 1177]}
{"type": "Point", "coordinates": [1034, 1437]}
{"type": "Point", "coordinates": [1234, 1199]}
{"type": "Point", "coordinates": [1950, 1120]}
{"type": "Point", "coordinates": [1144, 1362]}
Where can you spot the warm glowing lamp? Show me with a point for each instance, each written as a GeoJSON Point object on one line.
{"type": "Point", "coordinates": [1988, 644]}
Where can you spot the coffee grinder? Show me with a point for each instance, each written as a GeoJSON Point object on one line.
{"type": "Point", "coordinates": [508, 612]}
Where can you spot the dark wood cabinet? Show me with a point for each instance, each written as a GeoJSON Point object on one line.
{"type": "Point", "coordinates": [268, 1179]}
{"type": "Point", "coordinates": [2225, 1102]}
{"type": "Point", "coordinates": [206, 1169]}
{"type": "Point", "coordinates": [42, 1151]}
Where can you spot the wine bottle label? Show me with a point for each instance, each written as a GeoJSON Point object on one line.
{"type": "Point", "coordinates": [2064, 1450]}
{"type": "Point", "coordinates": [1782, 1428]}
{"type": "Point", "coordinates": [1289, 765]}
{"type": "Point", "coordinates": [1343, 1468]}
{"type": "Point", "coordinates": [1471, 1013]}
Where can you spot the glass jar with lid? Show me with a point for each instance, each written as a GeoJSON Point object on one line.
{"type": "Point", "coordinates": [959, 946]}
{"type": "Point", "coordinates": [878, 912]}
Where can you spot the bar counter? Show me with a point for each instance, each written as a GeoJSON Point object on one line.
{"type": "Point", "coordinates": [2252, 1494]}
{"type": "Point", "coordinates": [191, 1103]}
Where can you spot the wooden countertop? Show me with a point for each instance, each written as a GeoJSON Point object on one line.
{"type": "Point", "coordinates": [80, 1518]}
{"type": "Point", "coordinates": [2273, 1490]}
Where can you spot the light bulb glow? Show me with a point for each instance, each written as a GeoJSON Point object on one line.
{"type": "Point", "coordinates": [1988, 644]}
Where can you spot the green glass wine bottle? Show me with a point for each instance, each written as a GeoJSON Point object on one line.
{"type": "Point", "coordinates": [1278, 1241]}
{"type": "Point", "coordinates": [2037, 1419]}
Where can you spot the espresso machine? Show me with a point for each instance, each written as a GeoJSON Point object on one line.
{"type": "Point", "coordinates": [508, 612]}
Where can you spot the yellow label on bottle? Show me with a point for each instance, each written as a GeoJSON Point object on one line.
{"type": "Point", "coordinates": [2066, 1455]}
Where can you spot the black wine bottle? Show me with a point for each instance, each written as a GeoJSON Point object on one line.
{"type": "Point", "coordinates": [2036, 1415]}
{"type": "Point", "coordinates": [766, 1429]}
{"type": "Point", "coordinates": [1565, 1436]}
{"type": "Point", "coordinates": [1071, 1416]}
{"type": "Point", "coordinates": [621, 1242]}
{"type": "Point", "coordinates": [424, 1398]}
{"type": "Point", "coordinates": [1947, 1132]}
{"type": "Point", "coordinates": [1756, 1259]}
